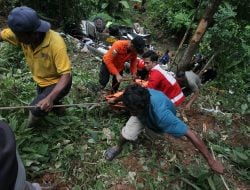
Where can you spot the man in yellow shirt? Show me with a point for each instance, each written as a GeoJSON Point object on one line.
{"type": "Point", "coordinates": [46, 55]}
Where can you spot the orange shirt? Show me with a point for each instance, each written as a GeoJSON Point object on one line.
{"type": "Point", "coordinates": [117, 55]}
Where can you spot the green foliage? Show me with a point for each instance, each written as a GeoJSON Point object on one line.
{"type": "Point", "coordinates": [114, 8]}
{"type": "Point", "coordinates": [237, 155]}
{"type": "Point", "coordinates": [73, 146]}
{"type": "Point", "coordinates": [63, 13]}
{"type": "Point", "coordinates": [11, 57]}
{"type": "Point", "coordinates": [230, 38]}
{"type": "Point", "coordinates": [171, 16]}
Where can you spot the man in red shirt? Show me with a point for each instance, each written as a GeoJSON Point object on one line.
{"type": "Point", "coordinates": [162, 80]}
{"type": "Point", "coordinates": [113, 61]}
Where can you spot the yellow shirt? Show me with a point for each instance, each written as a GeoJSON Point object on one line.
{"type": "Point", "coordinates": [48, 61]}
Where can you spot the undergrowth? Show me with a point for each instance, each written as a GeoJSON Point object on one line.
{"type": "Point", "coordinates": [72, 146]}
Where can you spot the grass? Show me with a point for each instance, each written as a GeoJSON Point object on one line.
{"type": "Point", "coordinates": [72, 147]}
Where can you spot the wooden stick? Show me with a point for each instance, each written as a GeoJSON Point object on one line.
{"type": "Point", "coordinates": [185, 36]}
{"type": "Point", "coordinates": [55, 106]}
{"type": "Point", "coordinates": [208, 63]}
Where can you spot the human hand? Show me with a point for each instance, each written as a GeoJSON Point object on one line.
{"type": "Point", "coordinates": [216, 166]}
{"type": "Point", "coordinates": [112, 101]}
{"type": "Point", "coordinates": [45, 104]}
{"type": "Point", "coordinates": [118, 78]}
{"type": "Point", "coordinates": [134, 76]}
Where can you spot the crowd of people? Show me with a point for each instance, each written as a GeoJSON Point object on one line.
{"type": "Point", "coordinates": [152, 106]}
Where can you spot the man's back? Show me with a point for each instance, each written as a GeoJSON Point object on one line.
{"type": "Point", "coordinates": [193, 80]}
{"type": "Point", "coordinates": [161, 115]}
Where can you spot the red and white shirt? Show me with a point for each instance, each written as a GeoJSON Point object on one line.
{"type": "Point", "coordinates": [162, 80]}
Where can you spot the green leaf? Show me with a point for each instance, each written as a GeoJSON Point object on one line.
{"type": "Point", "coordinates": [125, 4]}
{"type": "Point", "coordinates": [91, 141]}
{"type": "Point", "coordinates": [77, 187]}
{"type": "Point", "coordinates": [190, 183]}
{"type": "Point", "coordinates": [240, 155]}
{"type": "Point", "coordinates": [211, 183]}
{"type": "Point", "coordinates": [104, 5]}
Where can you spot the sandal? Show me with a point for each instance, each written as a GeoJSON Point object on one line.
{"type": "Point", "coordinates": [111, 153]}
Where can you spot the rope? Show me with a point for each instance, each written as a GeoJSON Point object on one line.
{"type": "Point", "coordinates": [55, 106]}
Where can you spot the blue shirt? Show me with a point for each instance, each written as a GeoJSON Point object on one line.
{"type": "Point", "coordinates": [161, 116]}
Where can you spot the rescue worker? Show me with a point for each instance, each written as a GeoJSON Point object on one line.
{"type": "Point", "coordinates": [46, 55]}
{"type": "Point", "coordinates": [113, 61]}
{"type": "Point", "coordinates": [152, 109]}
{"type": "Point", "coordinates": [162, 80]}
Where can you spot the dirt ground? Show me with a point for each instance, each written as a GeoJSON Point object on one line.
{"type": "Point", "coordinates": [198, 121]}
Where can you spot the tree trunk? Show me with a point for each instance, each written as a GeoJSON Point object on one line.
{"type": "Point", "coordinates": [199, 33]}
{"type": "Point", "coordinates": [185, 35]}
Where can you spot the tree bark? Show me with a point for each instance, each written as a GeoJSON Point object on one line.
{"type": "Point", "coordinates": [199, 33]}
{"type": "Point", "coordinates": [185, 35]}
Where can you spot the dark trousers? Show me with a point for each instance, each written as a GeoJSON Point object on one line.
{"type": "Point", "coordinates": [104, 76]}
{"type": "Point", "coordinates": [8, 160]}
{"type": "Point", "coordinates": [43, 92]}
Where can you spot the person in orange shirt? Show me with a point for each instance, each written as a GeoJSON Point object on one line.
{"type": "Point", "coordinates": [113, 61]}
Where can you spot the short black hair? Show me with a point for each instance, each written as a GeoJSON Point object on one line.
{"type": "Point", "coordinates": [151, 54]}
{"type": "Point", "coordinates": [136, 97]}
{"type": "Point", "coordinates": [180, 74]}
{"type": "Point", "coordinates": [139, 44]}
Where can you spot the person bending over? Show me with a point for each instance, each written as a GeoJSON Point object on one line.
{"type": "Point", "coordinates": [152, 109]}
{"type": "Point", "coordinates": [161, 80]}
{"type": "Point", "coordinates": [113, 61]}
{"type": "Point", "coordinates": [46, 55]}
{"type": "Point", "coordinates": [190, 83]}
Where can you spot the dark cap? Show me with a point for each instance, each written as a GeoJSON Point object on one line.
{"type": "Point", "coordinates": [25, 19]}
{"type": "Point", "coordinates": [139, 44]}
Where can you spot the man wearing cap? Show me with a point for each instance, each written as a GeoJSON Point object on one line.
{"type": "Point", "coordinates": [113, 61]}
{"type": "Point", "coordinates": [46, 55]}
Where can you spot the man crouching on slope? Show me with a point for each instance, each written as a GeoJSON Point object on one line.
{"type": "Point", "coordinates": [152, 109]}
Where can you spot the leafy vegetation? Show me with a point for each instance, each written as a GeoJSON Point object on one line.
{"type": "Point", "coordinates": [71, 147]}
{"type": "Point", "coordinates": [228, 38]}
{"type": "Point", "coordinates": [232, 62]}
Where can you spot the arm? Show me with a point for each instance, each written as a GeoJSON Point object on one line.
{"type": "Point", "coordinates": [109, 59]}
{"type": "Point", "coordinates": [200, 145]}
{"type": "Point", "coordinates": [46, 104]}
{"type": "Point", "coordinates": [194, 83]}
{"type": "Point", "coordinates": [133, 66]}
{"type": "Point", "coordinates": [7, 35]}
{"type": "Point", "coordinates": [192, 99]}
{"type": "Point", "coordinates": [153, 79]}
{"type": "Point", "coordinates": [115, 100]}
